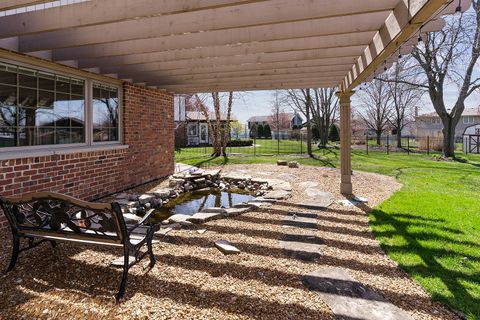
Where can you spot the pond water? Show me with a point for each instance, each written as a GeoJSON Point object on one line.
{"type": "Point", "coordinates": [195, 201]}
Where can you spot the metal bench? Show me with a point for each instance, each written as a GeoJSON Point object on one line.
{"type": "Point", "coordinates": [51, 217]}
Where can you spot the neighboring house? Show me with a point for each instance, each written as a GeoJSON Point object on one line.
{"type": "Point", "coordinates": [286, 120]}
{"type": "Point", "coordinates": [194, 131]}
{"type": "Point", "coordinates": [431, 125]}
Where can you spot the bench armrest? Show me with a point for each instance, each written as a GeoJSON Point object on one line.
{"type": "Point", "coordinates": [141, 222]}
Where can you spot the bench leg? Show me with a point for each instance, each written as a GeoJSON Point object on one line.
{"type": "Point", "coordinates": [150, 253]}
{"type": "Point", "coordinates": [123, 283]}
{"type": "Point", "coordinates": [15, 252]}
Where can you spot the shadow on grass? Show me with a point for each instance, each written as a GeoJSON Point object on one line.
{"type": "Point", "coordinates": [453, 284]}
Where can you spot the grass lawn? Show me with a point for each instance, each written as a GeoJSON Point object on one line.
{"type": "Point", "coordinates": [431, 227]}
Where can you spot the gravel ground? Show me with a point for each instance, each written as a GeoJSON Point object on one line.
{"type": "Point", "coordinates": [193, 280]}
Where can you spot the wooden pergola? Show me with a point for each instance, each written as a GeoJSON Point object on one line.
{"type": "Point", "coordinates": [186, 46]}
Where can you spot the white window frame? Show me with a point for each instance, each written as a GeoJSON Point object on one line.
{"type": "Point", "coordinates": [468, 120]}
{"type": "Point", "coordinates": [44, 150]}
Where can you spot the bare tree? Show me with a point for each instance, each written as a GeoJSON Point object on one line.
{"type": "Point", "coordinates": [448, 57]}
{"type": "Point", "coordinates": [278, 119]}
{"type": "Point", "coordinates": [219, 134]}
{"type": "Point", "coordinates": [404, 97]}
{"type": "Point", "coordinates": [323, 108]}
{"type": "Point", "coordinates": [376, 107]}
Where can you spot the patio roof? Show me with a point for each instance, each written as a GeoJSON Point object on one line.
{"type": "Point", "coordinates": [221, 45]}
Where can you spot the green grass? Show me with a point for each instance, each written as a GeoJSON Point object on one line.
{"type": "Point", "coordinates": [431, 227]}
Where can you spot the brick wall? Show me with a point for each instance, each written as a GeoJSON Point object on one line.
{"type": "Point", "coordinates": [148, 130]}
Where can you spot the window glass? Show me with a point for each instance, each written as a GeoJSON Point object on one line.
{"type": "Point", "coordinates": [8, 75]}
{"type": "Point", "coordinates": [105, 113]}
{"type": "Point", "coordinates": [40, 108]}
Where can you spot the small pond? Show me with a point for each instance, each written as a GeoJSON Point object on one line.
{"type": "Point", "coordinates": [195, 201]}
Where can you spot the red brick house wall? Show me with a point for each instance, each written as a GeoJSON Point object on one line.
{"type": "Point", "coordinates": [148, 130]}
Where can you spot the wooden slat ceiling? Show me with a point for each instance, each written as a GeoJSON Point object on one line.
{"type": "Point", "coordinates": [219, 45]}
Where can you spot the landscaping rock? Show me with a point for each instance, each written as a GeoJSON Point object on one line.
{"type": "Point", "coordinates": [226, 247]}
{"type": "Point", "coordinates": [131, 218]}
{"type": "Point", "coordinates": [202, 217]}
{"type": "Point", "coordinates": [282, 163]}
{"type": "Point", "coordinates": [181, 219]}
{"type": "Point", "coordinates": [200, 180]}
{"type": "Point", "coordinates": [201, 231]}
{"type": "Point", "coordinates": [144, 198]}
{"type": "Point", "coordinates": [293, 164]}
{"type": "Point", "coordinates": [360, 199]}
{"type": "Point", "coordinates": [173, 183]}
{"type": "Point", "coordinates": [162, 193]}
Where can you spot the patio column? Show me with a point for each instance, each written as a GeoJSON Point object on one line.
{"type": "Point", "coordinates": [345, 142]}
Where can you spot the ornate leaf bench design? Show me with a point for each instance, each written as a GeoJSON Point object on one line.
{"type": "Point", "coordinates": [50, 217]}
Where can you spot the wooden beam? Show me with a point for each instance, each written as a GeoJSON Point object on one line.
{"type": "Point", "coordinates": [224, 58]}
{"type": "Point", "coordinates": [327, 58]}
{"type": "Point", "coordinates": [187, 74]}
{"type": "Point", "coordinates": [100, 12]}
{"type": "Point", "coordinates": [401, 24]}
{"type": "Point", "coordinates": [249, 86]}
{"type": "Point", "coordinates": [194, 41]}
{"type": "Point", "coordinates": [246, 15]}
{"type": "Point", "coordinates": [15, 4]}
{"type": "Point", "coordinates": [189, 80]}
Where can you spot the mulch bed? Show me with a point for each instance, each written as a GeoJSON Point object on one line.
{"type": "Point", "coordinates": [193, 280]}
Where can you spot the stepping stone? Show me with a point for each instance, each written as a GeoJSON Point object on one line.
{"type": "Point", "coordinates": [288, 177]}
{"type": "Point", "coordinates": [201, 231]}
{"type": "Point", "coordinates": [300, 222]}
{"type": "Point", "coordinates": [181, 219]}
{"type": "Point", "coordinates": [232, 212]}
{"type": "Point", "coordinates": [278, 195]}
{"type": "Point", "coordinates": [349, 299]}
{"type": "Point", "coordinates": [202, 217]}
{"type": "Point", "coordinates": [308, 184]}
{"type": "Point", "coordinates": [226, 247]}
{"type": "Point", "coordinates": [319, 203]}
{"type": "Point", "coordinates": [305, 247]}
{"type": "Point", "coordinates": [277, 184]}
{"type": "Point", "coordinates": [215, 210]}
{"type": "Point", "coordinates": [260, 204]}
{"type": "Point", "coordinates": [318, 194]}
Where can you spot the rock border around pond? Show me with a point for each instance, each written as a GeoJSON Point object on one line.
{"type": "Point", "coordinates": [266, 191]}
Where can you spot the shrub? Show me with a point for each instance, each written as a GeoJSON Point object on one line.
{"type": "Point", "coordinates": [260, 131]}
{"type": "Point", "coordinates": [240, 143]}
{"type": "Point", "coordinates": [333, 134]}
{"type": "Point", "coordinates": [267, 131]}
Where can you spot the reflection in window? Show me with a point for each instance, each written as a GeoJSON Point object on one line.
{"type": "Point", "coordinates": [38, 108]}
{"type": "Point", "coordinates": [105, 113]}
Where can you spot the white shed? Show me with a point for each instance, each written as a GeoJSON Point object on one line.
{"type": "Point", "coordinates": [471, 139]}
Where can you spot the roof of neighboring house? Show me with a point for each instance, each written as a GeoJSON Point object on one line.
{"type": "Point", "coordinates": [268, 118]}
{"type": "Point", "coordinates": [199, 116]}
{"type": "Point", "coordinates": [466, 113]}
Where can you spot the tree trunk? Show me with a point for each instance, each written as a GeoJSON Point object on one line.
{"type": "Point", "coordinates": [226, 133]}
{"type": "Point", "coordinates": [399, 138]}
{"type": "Point", "coordinates": [449, 138]}
{"type": "Point", "coordinates": [309, 125]}
{"type": "Point", "coordinates": [379, 137]}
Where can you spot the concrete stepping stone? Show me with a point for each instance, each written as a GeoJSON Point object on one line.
{"type": "Point", "coordinates": [305, 247]}
{"type": "Point", "coordinates": [347, 203]}
{"type": "Point", "coordinates": [215, 210]}
{"type": "Point", "coordinates": [202, 217]}
{"type": "Point", "coordinates": [278, 195]}
{"type": "Point", "coordinates": [232, 212]}
{"type": "Point", "coordinates": [308, 184]}
{"type": "Point", "coordinates": [300, 222]}
{"type": "Point", "coordinates": [349, 299]}
{"type": "Point", "coordinates": [360, 199]}
{"type": "Point", "coordinates": [226, 247]}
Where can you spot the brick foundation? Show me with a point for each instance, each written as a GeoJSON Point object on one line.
{"type": "Point", "coordinates": [148, 130]}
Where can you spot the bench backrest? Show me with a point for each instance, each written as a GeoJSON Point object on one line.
{"type": "Point", "coordinates": [51, 213]}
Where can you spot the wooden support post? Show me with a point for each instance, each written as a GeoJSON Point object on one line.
{"type": "Point", "coordinates": [345, 142]}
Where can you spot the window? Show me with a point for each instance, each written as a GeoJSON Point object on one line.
{"type": "Point", "coordinates": [468, 120]}
{"type": "Point", "coordinates": [38, 108]}
{"type": "Point", "coordinates": [105, 113]}
{"type": "Point", "coordinates": [192, 129]}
